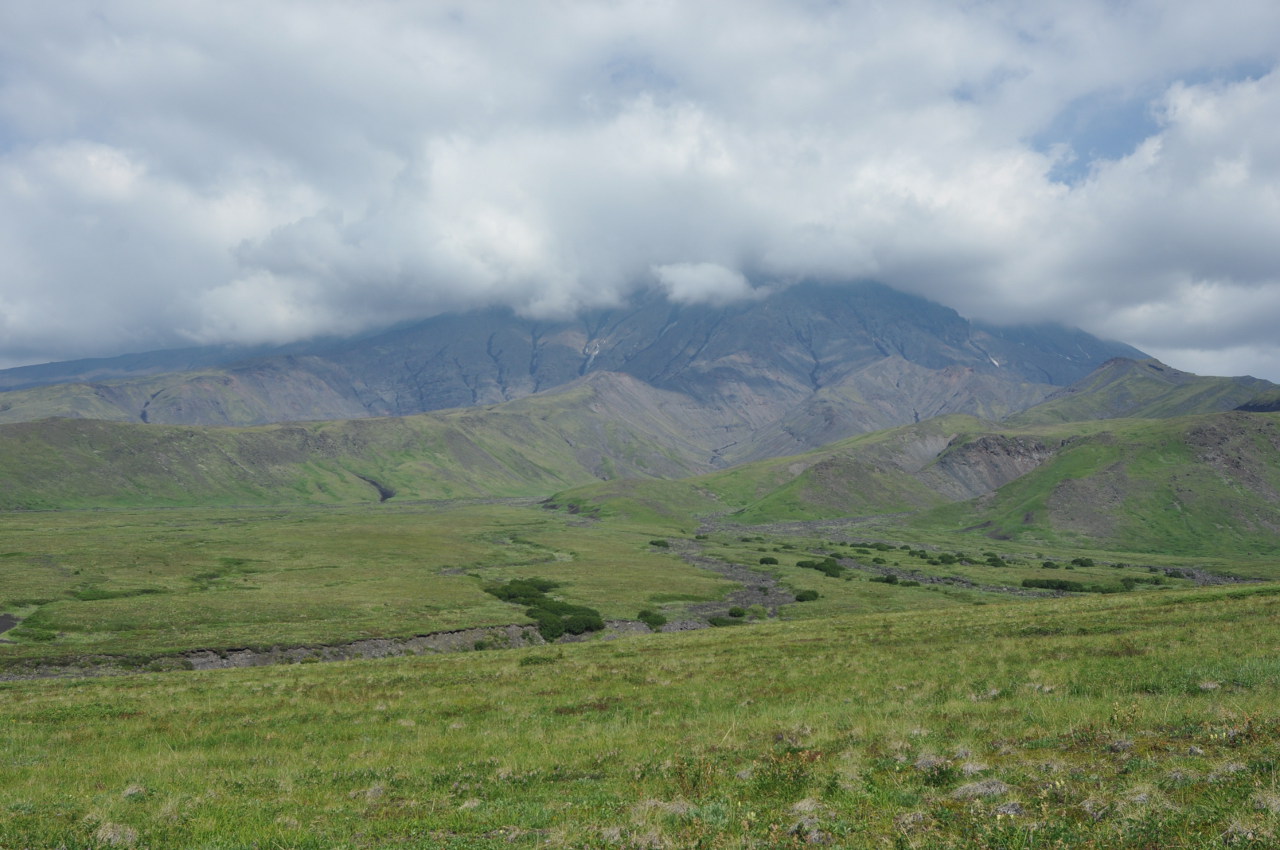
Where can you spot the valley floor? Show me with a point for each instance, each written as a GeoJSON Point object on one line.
{"type": "Point", "coordinates": [1143, 720]}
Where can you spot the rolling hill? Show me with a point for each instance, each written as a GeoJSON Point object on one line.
{"type": "Point", "coordinates": [1198, 484]}
{"type": "Point", "coordinates": [600, 428]}
{"type": "Point", "coordinates": [1141, 389]}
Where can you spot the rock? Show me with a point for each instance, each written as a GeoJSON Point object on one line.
{"type": "Point", "coordinates": [985, 788]}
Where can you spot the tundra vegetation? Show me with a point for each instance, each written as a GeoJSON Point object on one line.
{"type": "Point", "coordinates": [1082, 657]}
{"type": "Point", "coordinates": [1120, 720]}
{"type": "Point", "coordinates": [922, 691]}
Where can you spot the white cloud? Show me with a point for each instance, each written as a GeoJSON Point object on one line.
{"type": "Point", "coordinates": [703, 283]}
{"type": "Point", "coordinates": [266, 171]}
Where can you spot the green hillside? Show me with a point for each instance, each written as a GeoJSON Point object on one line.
{"type": "Point", "coordinates": [529, 447]}
{"type": "Point", "coordinates": [1202, 484]}
{"type": "Point", "coordinates": [1141, 389]}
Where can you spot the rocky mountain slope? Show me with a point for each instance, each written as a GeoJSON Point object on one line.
{"type": "Point", "coordinates": [1194, 484]}
{"type": "Point", "coordinates": [782, 374]}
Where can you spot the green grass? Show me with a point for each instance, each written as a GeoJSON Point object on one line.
{"type": "Point", "coordinates": [528, 447]}
{"type": "Point", "coordinates": [1195, 486]}
{"type": "Point", "coordinates": [143, 583]}
{"type": "Point", "coordinates": [1123, 721]}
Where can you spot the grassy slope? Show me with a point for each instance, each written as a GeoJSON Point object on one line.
{"type": "Point", "coordinates": [863, 474]}
{"type": "Point", "coordinates": [529, 447]}
{"type": "Point", "coordinates": [1119, 722]}
{"type": "Point", "coordinates": [1141, 389]}
{"type": "Point", "coordinates": [1196, 485]}
{"type": "Point", "coordinates": [1193, 485]}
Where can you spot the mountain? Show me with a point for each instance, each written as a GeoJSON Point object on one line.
{"type": "Point", "coordinates": [1198, 485]}
{"type": "Point", "coordinates": [1144, 389]}
{"type": "Point", "coordinates": [1265, 402]}
{"type": "Point", "coordinates": [602, 427]}
{"type": "Point", "coordinates": [792, 371]}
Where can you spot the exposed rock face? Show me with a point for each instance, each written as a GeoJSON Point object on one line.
{"type": "Point", "coordinates": [977, 467]}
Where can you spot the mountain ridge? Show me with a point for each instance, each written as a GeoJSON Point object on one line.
{"type": "Point", "coordinates": [866, 350]}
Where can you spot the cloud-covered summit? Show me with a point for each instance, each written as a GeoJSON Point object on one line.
{"type": "Point", "coordinates": [266, 171]}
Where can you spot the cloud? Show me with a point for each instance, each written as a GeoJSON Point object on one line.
{"type": "Point", "coordinates": [703, 283]}
{"type": "Point", "coordinates": [263, 172]}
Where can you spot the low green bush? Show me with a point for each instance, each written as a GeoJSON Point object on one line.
{"type": "Point", "coordinates": [554, 617]}
{"type": "Point", "coordinates": [828, 566]}
{"type": "Point", "coordinates": [652, 619]}
{"type": "Point", "coordinates": [1054, 584]}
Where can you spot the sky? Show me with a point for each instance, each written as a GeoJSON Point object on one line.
{"type": "Point", "coordinates": [186, 173]}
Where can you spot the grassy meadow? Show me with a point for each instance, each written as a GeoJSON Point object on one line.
{"type": "Point", "coordinates": [143, 583]}
{"type": "Point", "coordinates": [136, 584]}
{"type": "Point", "coordinates": [1129, 720]}
{"type": "Point", "coordinates": [946, 708]}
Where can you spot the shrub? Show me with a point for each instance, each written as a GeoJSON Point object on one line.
{"type": "Point", "coordinates": [583, 621]}
{"type": "Point", "coordinates": [768, 560]}
{"type": "Point", "coordinates": [550, 626]}
{"type": "Point", "coordinates": [522, 591]}
{"type": "Point", "coordinates": [909, 583]}
{"type": "Point", "coordinates": [1049, 565]}
{"type": "Point", "coordinates": [1054, 584]}
{"type": "Point", "coordinates": [889, 579]}
{"type": "Point", "coordinates": [661, 544]}
{"type": "Point", "coordinates": [738, 612]}
{"type": "Point", "coordinates": [652, 619]}
{"type": "Point", "coordinates": [806, 595]}
{"type": "Point", "coordinates": [828, 566]}
{"type": "Point", "coordinates": [553, 617]}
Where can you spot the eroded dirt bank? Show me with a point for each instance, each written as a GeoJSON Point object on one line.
{"type": "Point", "coordinates": [461, 640]}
